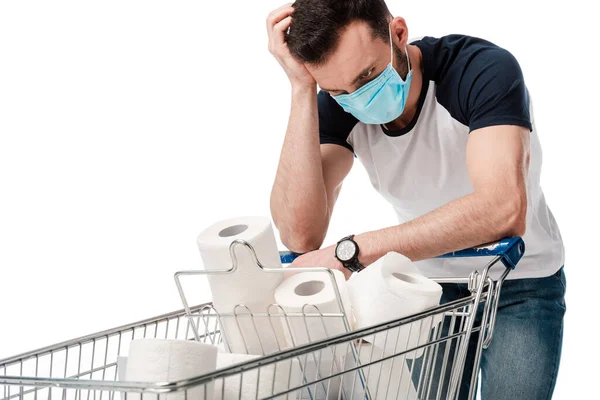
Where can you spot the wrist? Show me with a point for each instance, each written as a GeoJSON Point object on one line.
{"type": "Point", "coordinates": [371, 247]}
{"type": "Point", "coordinates": [340, 267]}
{"type": "Point", "coordinates": [303, 88]}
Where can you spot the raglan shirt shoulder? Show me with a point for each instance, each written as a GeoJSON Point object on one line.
{"type": "Point", "coordinates": [478, 82]}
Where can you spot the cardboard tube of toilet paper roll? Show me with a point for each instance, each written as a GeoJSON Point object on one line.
{"type": "Point", "coordinates": [390, 289]}
{"type": "Point", "coordinates": [164, 360]}
{"type": "Point", "coordinates": [248, 285]}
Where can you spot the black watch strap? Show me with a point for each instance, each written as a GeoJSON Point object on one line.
{"type": "Point", "coordinates": [353, 266]}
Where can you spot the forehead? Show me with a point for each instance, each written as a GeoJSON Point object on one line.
{"type": "Point", "coordinates": [357, 49]}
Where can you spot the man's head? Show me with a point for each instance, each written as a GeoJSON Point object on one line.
{"type": "Point", "coordinates": [345, 43]}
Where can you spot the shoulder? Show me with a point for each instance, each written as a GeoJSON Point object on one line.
{"type": "Point", "coordinates": [447, 56]}
{"type": "Point", "coordinates": [475, 77]}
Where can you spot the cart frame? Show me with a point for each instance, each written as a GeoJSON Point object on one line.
{"type": "Point", "coordinates": [87, 366]}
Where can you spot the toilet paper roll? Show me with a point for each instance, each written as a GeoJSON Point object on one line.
{"type": "Point", "coordinates": [389, 289]}
{"type": "Point", "coordinates": [163, 360]}
{"type": "Point", "coordinates": [248, 285]}
{"type": "Point", "coordinates": [257, 383]}
{"type": "Point", "coordinates": [312, 293]}
{"type": "Point", "coordinates": [386, 380]}
{"type": "Point", "coordinates": [314, 289]}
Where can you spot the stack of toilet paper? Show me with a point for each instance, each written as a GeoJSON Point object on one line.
{"type": "Point", "coordinates": [307, 293]}
{"type": "Point", "coordinates": [161, 361]}
{"type": "Point", "coordinates": [387, 290]}
{"type": "Point", "coordinates": [305, 297]}
{"type": "Point", "coordinates": [248, 289]}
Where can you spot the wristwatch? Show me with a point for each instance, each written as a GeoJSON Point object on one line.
{"type": "Point", "coordinates": [346, 251]}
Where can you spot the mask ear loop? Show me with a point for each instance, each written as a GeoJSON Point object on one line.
{"type": "Point", "coordinates": [392, 51]}
{"type": "Point", "coordinates": [391, 48]}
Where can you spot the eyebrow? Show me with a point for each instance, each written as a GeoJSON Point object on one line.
{"type": "Point", "coordinates": [364, 71]}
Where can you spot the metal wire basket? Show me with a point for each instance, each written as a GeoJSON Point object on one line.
{"type": "Point", "coordinates": [344, 366]}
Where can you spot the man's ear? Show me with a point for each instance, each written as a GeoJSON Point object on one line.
{"type": "Point", "coordinates": [399, 32]}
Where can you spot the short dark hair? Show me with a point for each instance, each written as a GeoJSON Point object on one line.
{"type": "Point", "coordinates": [316, 25]}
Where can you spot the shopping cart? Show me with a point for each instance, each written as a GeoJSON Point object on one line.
{"type": "Point", "coordinates": [430, 367]}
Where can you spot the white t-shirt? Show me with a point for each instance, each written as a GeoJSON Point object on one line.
{"type": "Point", "coordinates": [468, 83]}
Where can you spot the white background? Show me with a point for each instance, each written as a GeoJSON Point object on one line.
{"type": "Point", "coordinates": [126, 127]}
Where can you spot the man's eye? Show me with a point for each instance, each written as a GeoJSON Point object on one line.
{"type": "Point", "coordinates": [367, 74]}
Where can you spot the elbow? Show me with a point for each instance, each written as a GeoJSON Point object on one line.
{"type": "Point", "coordinates": [301, 241]}
{"type": "Point", "coordinates": [301, 235]}
{"type": "Point", "coordinates": [514, 219]}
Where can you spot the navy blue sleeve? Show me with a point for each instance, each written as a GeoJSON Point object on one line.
{"type": "Point", "coordinates": [335, 124]}
{"type": "Point", "coordinates": [479, 83]}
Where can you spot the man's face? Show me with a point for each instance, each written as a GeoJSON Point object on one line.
{"type": "Point", "coordinates": [358, 58]}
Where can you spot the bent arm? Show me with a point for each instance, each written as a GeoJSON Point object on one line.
{"type": "Point", "coordinates": [497, 163]}
{"type": "Point", "coordinates": [308, 179]}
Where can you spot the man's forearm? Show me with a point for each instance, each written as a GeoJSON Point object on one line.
{"type": "Point", "coordinates": [298, 197]}
{"type": "Point", "coordinates": [466, 222]}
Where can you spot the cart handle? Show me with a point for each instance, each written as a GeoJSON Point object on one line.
{"type": "Point", "coordinates": [510, 249]}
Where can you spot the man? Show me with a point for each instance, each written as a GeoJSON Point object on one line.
{"type": "Point", "coordinates": [444, 128]}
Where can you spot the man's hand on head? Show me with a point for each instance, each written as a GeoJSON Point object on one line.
{"type": "Point", "coordinates": [278, 23]}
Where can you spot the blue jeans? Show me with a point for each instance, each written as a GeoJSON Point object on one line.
{"type": "Point", "coordinates": [523, 359]}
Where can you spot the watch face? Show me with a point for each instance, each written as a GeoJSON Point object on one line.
{"type": "Point", "coordinates": [346, 250]}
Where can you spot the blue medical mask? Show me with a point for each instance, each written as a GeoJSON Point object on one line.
{"type": "Point", "coordinates": [381, 100]}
